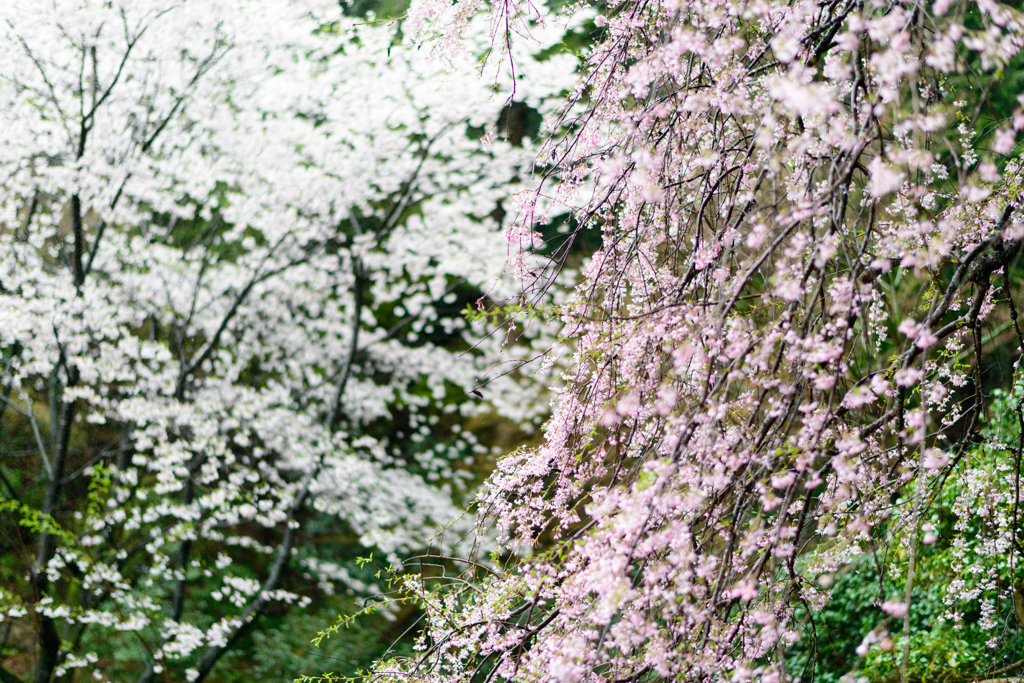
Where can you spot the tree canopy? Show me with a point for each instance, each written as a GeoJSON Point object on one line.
{"type": "Point", "coordinates": [237, 241]}
{"type": "Point", "coordinates": [781, 406]}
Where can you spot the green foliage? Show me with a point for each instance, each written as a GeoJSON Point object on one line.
{"type": "Point", "coordinates": [35, 521]}
{"type": "Point", "coordinates": [377, 9]}
{"type": "Point", "coordinates": [281, 650]}
{"type": "Point", "coordinates": [950, 641]}
{"type": "Point", "coordinates": [500, 314]}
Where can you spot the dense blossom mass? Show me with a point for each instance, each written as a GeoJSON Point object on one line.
{"type": "Point", "coordinates": [235, 241]}
{"type": "Point", "coordinates": [809, 215]}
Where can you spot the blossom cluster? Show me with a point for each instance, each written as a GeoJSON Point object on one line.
{"type": "Point", "coordinates": [777, 349]}
{"type": "Point", "coordinates": [236, 237]}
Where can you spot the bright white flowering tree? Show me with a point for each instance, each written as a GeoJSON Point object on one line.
{"type": "Point", "coordinates": [235, 240]}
